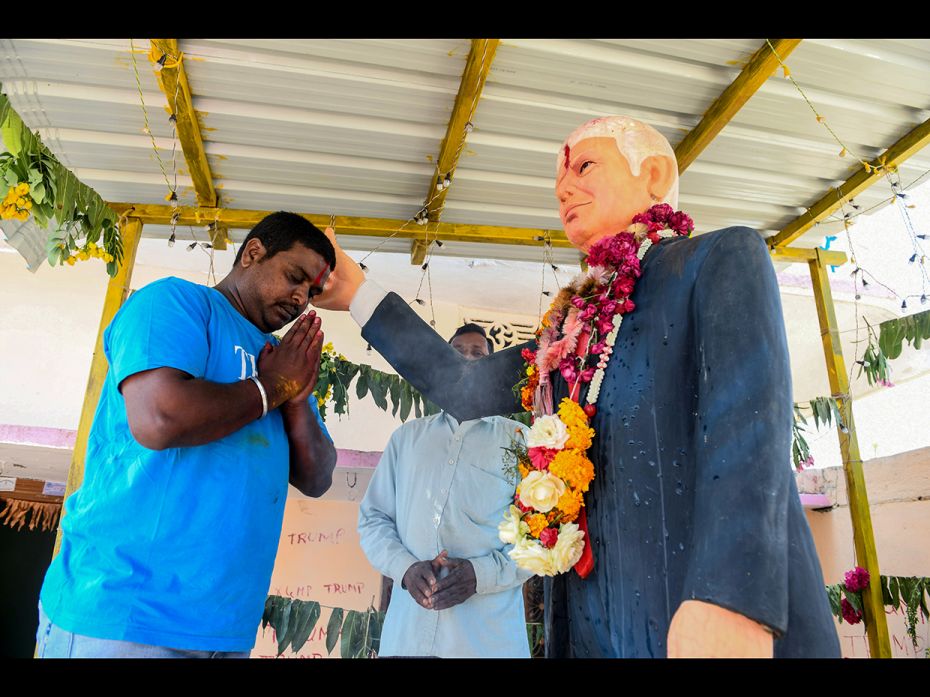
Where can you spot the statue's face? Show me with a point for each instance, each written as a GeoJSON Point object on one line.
{"type": "Point", "coordinates": [598, 194]}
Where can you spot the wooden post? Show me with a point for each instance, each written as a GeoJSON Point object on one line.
{"type": "Point", "coordinates": [117, 292]}
{"type": "Point", "coordinates": [866, 556]}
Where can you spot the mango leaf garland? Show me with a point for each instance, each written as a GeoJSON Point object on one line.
{"type": "Point", "coordinates": [307, 616]}
{"type": "Point", "coordinates": [56, 200]}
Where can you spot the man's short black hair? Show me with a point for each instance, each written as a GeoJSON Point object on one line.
{"type": "Point", "coordinates": [280, 231]}
{"type": "Point", "coordinates": [472, 328]}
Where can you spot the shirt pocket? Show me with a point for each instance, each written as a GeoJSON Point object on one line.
{"type": "Point", "coordinates": [492, 490]}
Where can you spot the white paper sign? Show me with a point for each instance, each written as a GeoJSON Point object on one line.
{"type": "Point", "coordinates": [7, 483]}
{"type": "Point", "coordinates": [53, 489]}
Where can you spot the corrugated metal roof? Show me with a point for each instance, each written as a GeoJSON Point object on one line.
{"type": "Point", "coordinates": [353, 126]}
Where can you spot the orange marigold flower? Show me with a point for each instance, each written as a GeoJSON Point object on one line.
{"type": "Point", "coordinates": [537, 523]}
{"type": "Point", "coordinates": [574, 418]}
{"type": "Point", "coordinates": [573, 467]}
{"type": "Point", "coordinates": [524, 470]}
{"type": "Point", "coordinates": [570, 504]}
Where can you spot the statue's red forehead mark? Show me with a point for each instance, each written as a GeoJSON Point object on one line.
{"type": "Point", "coordinates": [568, 153]}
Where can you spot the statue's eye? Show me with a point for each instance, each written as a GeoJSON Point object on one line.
{"type": "Point", "coordinates": [584, 166]}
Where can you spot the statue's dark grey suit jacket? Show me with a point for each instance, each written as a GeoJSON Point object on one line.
{"type": "Point", "coordinates": [693, 496]}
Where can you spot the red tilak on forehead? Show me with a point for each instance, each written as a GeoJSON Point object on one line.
{"type": "Point", "coordinates": [568, 154]}
{"type": "Point", "coordinates": [316, 281]}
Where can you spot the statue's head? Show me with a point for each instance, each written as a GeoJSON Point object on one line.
{"type": "Point", "coordinates": [610, 169]}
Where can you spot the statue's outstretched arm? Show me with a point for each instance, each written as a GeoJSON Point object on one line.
{"type": "Point", "coordinates": [466, 389]}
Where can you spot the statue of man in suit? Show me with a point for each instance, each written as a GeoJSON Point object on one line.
{"type": "Point", "coordinates": [700, 542]}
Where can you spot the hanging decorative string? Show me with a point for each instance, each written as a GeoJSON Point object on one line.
{"type": "Point", "coordinates": [821, 119]}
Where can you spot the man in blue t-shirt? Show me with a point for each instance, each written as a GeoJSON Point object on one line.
{"type": "Point", "coordinates": [204, 418]}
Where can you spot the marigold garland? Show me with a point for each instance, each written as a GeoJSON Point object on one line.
{"type": "Point", "coordinates": [576, 339]}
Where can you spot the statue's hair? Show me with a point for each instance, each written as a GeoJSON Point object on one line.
{"type": "Point", "coordinates": [635, 140]}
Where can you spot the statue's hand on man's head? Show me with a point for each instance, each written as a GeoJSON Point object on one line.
{"type": "Point", "coordinates": [342, 283]}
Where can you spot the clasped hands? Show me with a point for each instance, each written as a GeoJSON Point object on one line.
{"type": "Point", "coordinates": [422, 581]}
{"type": "Point", "coordinates": [289, 370]}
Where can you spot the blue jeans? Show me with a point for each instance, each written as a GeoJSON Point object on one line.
{"type": "Point", "coordinates": [54, 642]}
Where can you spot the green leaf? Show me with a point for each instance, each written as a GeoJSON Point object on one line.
{"type": "Point", "coordinates": [12, 136]}
{"type": "Point", "coordinates": [417, 411]}
{"type": "Point", "coordinates": [352, 630]}
{"type": "Point", "coordinates": [853, 599]}
{"type": "Point", "coordinates": [269, 610]}
{"type": "Point", "coordinates": [379, 390]}
{"type": "Point", "coordinates": [886, 593]}
{"type": "Point", "coordinates": [306, 621]}
{"type": "Point", "coordinates": [332, 629]}
{"type": "Point", "coordinates": [361, 385]}
{"type": "Point", "coordinates": [406, 401]}
{"type": "Point", "coordinates": [285, 630]}
{"type": "Point", "coordinates": [894, 588]}
{"type": "Point", "coordinates": [394, 390]}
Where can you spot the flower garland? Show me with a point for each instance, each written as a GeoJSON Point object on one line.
{"type": "Point", "coordinates": [547, 525]}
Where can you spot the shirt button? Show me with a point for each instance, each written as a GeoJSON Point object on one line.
{"type": "Point", "coordinates": [451, 462]}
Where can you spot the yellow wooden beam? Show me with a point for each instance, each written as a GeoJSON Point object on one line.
{"type": "Point", "coordinates": [863, 537]}
{"type": "Point", "coordinates": [173, 81]}
{"type": "Point", "coordinates": [158, 214]}
{"type": "Point", "coordinates": [762, 64]}
{"type": "Point", "coordinates": [476, 72]}
{"type": "Point", "coordinates": [801, 254]}
{"type": "Point", "coordinates": [904, 147]}
{"type": "Point", "coordinates": [116, 294]}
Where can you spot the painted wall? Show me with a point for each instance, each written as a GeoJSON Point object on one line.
{"type": "Point", "coordinates": [899, 500]}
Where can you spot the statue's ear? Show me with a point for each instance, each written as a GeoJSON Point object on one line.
{"type": "Point", "coordinates": [660, 172]}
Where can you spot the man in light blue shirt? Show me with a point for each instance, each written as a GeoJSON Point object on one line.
{"type": "Point", "coordinates": [204, 418]}
{"type": "Point", "coordinates": [429, 521]}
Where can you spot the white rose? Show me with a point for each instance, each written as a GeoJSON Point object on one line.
{"type": "Point", "coordinates": [512, 528]}
{"type": "Point", "coordinates": [532, 556]}
{"type": "Point", "coordinates": [541, 491]}
{"type": "Point", "coordinates": [547, 432]}
{"type": "Point", "coordinates": [568, 547]}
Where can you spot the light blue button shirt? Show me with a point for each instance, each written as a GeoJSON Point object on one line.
{"type": "Point", "coordinates": [440, 485]}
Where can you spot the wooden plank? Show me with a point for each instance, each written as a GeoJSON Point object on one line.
{"type": "Point", "coordinates": [158, 214]}
{"type": "Point", "coordinates": [863, 537]}
{"type": "Point", "coordinates": [116, 294]}
{"type": "Point", "coordinates": [30, 490]}
{"type": "Point", "coordinates": [474, 76]}
{"type": "Point", "coordinates": [173, 81]}
{"type": "Point", "coordinates": [759, 68]}
{"type": "Point", "coordinates": [905, 147]}
{"type": "Point", "coordinates": [802, 254]}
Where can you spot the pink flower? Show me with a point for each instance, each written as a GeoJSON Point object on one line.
{"type": "Point", "coordinates": [643, 218]}
{"type": "Point", "coordinates": [612, 251]}
{"type": "Point", "coordinates": [850, 614]}
{"type": "Point", "coordinates": [528, 355]}
{"type": "Point", "coordinates": [608, 309]}
{"type": "Point", "coordinates": [587, 375]}
{"type": "Point", "coordinates": [541, 457]}
{"type": "Point", "coordinates": [628, 306]}
{"type": "Point", "coordinates": [624, 285]}
{"type": "Point", "coordinates": [568, 370]}
{"type": "Point", "coordinates": [588, 313]}
{"type": "Point", "coordinates": [605, 326]}
{"type": "Point", "coordinates": [681, 223]}
{"type": "Point", "coordinates": [549, 537]}
{"type": "Point", "coordinates": [857, 579]}
{"type": "Point", "coordinates": [661, 212]}
{"type": "Point", "coordinates": [598, 348]}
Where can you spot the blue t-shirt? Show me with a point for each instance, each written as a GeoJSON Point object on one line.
{"type": "Point", "coordinates": [173, 547]}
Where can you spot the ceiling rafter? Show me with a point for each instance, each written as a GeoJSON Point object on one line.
{"type": "Point", "coordinates": [166, 56]}
{"type": "Point", "coordinates": [906, 146]}
{"type": "Point", "coordinates": [477, 67]}
{"type": "Point", "coordinates": [759, 68]}
{"type": "Point", "coordinates": [158, 214]}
